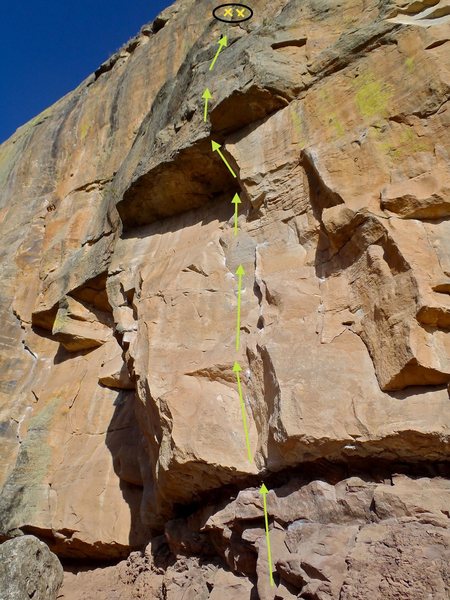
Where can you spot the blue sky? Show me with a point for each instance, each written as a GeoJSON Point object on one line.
{"type": "Point", "coordinates": [49, 47]}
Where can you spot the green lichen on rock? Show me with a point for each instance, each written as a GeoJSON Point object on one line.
{"type": "Point", "coordinates": [372, 96]}
{"type": "Point", "coordinates": [84, 129]}
{"type": "Point", "coordinates": [397, 143]}
{"type": "Point", "coordinates": [328, 116]}
{"type": "Point", "coordinates": [298, 126]}
{"type": "Point", "coordinates": [409, 63]}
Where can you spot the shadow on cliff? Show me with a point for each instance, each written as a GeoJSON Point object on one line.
{"type": "Point", "coordinates": [194, 178]}
{"type": "Point", "coordinates": [218, 208]}
{"type": "Point", "coordinates": [123, 442]}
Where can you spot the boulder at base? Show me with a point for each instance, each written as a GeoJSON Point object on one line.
{"type": "Point", "coordinates": [28, 570]}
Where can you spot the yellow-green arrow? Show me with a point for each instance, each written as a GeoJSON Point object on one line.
{"type": "Point", "coordinates": [222, 43]}
{"type": "Point", "coordinates": [237, 369]}
{"type": "Point", "coordinates": [206, 96]}
{"type": "Point", "coordinates": [264, 491]}
{"type": "Point", "coordinates": [240, 273]}
{"type": "Point", "coordinates": [217, 148]}
{"type": "Point", "coordinates": [236, 201]}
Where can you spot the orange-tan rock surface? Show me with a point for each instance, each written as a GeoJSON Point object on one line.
{"type": "Point", "coordinates": [120, 413]}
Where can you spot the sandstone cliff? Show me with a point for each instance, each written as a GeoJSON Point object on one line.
{"type": "Point", "coordinates": [121, 421]}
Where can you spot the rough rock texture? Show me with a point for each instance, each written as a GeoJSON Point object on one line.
{"type": "Point", "coordinates": [120, 414]}
{"type": "Point", "coordinates": [140, 578]}
{"type": "Point", "coordinates": [356, 539]}
{"type": "Point", "coordinates": [29, 570]}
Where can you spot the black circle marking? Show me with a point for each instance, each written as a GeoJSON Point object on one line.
{"type": "Point", "coordinates": [233, 4]}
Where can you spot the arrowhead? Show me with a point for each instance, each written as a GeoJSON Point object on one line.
{"type": "Point", "coordinates": [263, 490]}
{"type": "Point", "coordinates": [207, 95]}
{"type": "Point", "coordinates": [237, 367]}
{"type": "Point", "coordinates": [215, 146]}
{"type": "Point", "coordinates": [236, 199]}
{"type": "Point", "coordinates": [223, 41]}
{"type": "Point", "coordinates": [240, 270]}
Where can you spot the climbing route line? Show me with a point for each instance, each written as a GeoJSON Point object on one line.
{"type": "Point", "coordinates": [240, 273]}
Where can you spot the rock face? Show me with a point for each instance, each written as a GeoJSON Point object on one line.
{"type": "Point", "coordinates": [356, 539]}
{"type": "Point", "coordinates": [121, 413]}
{"type": "Point", "coordinates": [29, 570]}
